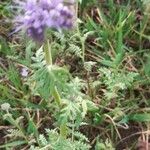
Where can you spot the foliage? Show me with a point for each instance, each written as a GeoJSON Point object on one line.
{"type": "Point", "coordinates": [104, 145]}
{"type": "Point", "coordinates": [54, 141]}
{"type": "Point", "coordinates": [81, 89]}
{"type": "Point", "coordinates": [116, 81]}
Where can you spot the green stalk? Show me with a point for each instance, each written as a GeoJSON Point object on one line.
{"type": "Point", "coordinates": [57, 96]}
{"type": "Point", "coordinates": [48, 54]}
{"type": "Point", "coordinates": [63, 131]}
{"type": "Point", "coordinates": [82, 40]}
{"type": "Point", "coordinates": [55, 93]}
{"type": "Point", "coordinates": [63, 127]}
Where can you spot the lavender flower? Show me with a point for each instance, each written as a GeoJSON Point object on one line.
{"type": "Point", "coordinates": [41, 14]}
{"type": "Point", "coordinates": [24, 72]}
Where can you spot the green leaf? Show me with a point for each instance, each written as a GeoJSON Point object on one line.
{"type": "Point", "coordinates": [32, 127]}
{"type": "Point", "coordinates": [13, 144]}
{"type": "Point", "coordinates": [14, 77]}
{"type": "Point", "coordinates": [118, 59]}
{"type": "Point", "coordinates": [107, 63]}
{"type": "Point", "coordinates": [47, 78]}
{"type": "Point", "coordinates": [145, 117]}
{"type": "Point", "coordinates": [4, 48]}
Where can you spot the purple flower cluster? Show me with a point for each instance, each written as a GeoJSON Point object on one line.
{"type": "Point", "coordinates": [41, 14]}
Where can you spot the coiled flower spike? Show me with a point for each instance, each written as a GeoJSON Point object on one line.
{"type": "Point", "coordinates": [37, 15]}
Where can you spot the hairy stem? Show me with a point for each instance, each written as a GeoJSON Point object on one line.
{"type": "Point", "coordinates": [55, 93]}
{"type": "Point", "coordinates": [48, 55]}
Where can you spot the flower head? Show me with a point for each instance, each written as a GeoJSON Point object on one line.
{"type": "Point", "coordinates": [24, 72]}
{"type": "Point", "coordinates": [5, 106]}
{"type": "Point", "coordinates": [41, 14]}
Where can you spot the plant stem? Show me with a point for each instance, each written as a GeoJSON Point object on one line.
{"type": "Point", "coordinates": [48, 55]}
{"type": "Point", "coordinates": [63, 130]}
{"type": "Point", "coordinates": [55, 93]}
{"type": "Point", "coordinates": [57, 96]}
{"type": "Point", "coordinates": [48, 58]}
{"type": "Point", "coordinates": [82, 40]}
